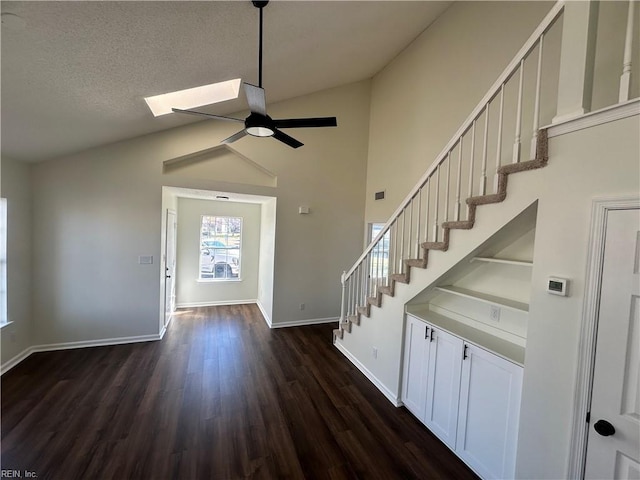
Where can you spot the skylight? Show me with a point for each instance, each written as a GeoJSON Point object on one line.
{"type": "Point", "coordinates": [194, 97]}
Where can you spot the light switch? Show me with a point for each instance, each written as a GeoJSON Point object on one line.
{"type": "Point", "coordinates": [145, 259]}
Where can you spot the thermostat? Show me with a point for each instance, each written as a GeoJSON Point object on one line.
{"type": "Point", "coordinates": [557, 286]}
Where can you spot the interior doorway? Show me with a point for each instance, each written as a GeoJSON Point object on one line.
{"type": "Point", "coordinates": [185, 277]}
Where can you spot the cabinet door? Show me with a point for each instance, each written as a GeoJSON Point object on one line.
{"type": "Point", "coordinates": [489, 413]}
{"type": "Point", "coordinates": [416, 358]}
{"type": "Point", "coordinates": [443, 385]}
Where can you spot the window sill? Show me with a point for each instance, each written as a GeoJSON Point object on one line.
{"type": "Point", "coordinates": [6, 324]}
{"type": "Point", "coordinates": [218, 280]}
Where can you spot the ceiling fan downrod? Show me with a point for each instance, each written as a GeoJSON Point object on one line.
{"type": "Point", "coordinates": [260, 5]}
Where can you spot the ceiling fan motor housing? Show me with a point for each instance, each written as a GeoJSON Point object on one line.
{"type": "Point", "coordinates": [259, 125]}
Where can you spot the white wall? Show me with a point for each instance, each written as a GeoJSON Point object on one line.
{"type": "Point", "coordinates": [267, 258]}
{"type": "Point", "coordinates": [16, 188]}
{"type": "Point", "coordinates": [595, 162]}
{"type": "Point", "coordinates": [100, 209]}
{"type": "Point", "coordinates": [192, 292]}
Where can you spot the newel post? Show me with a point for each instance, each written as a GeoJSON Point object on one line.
{"type": "Point", "coordinates": [577, 57]}
{"type": "Point", "coordinates": [343, 279]}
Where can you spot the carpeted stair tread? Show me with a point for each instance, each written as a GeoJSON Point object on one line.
{"type": "Point", "coordinates": [459, 225]}
{"type": "Point", "coordinates": [416, 262]}
{"type": "Point", "coordinates": [387, 290]}
{"type": "Point", "coordinates": [436, 246]}
{"type": "Point", "coordinates": [375, 301]}
{"type": "Point", "coordinates": [400, 277]}
{"type": "Point", "coordinates": [366, 311]}
{"type": "Point", "coordinates": [338, 333]}
{"type": "Point", "coordinates": [355, 319]}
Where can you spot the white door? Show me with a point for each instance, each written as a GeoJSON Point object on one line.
{"type": "Point", "coordinates": [443, 385]}
{"type": "Point", "coordinates": [416, 358]}
{"type": "Point", "coordinates": [613, 444]}
{"type": "Point", "coordinates": [490, 393]}
{"type": "Point", "coordinates": [170, 266]}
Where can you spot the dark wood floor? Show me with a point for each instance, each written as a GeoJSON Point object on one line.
{"type": "Point", "coordinates": [220, 397]}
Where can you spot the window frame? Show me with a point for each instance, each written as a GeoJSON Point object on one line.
{"type": "Point", "coordinates": [210, 277]}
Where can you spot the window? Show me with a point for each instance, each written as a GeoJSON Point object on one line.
{"type": "Point", "coordinates": [3, 261]}
{"type": "Point", "coordinates": [379, 266]}
{"type": "Point", "coordinates": [220, 245]}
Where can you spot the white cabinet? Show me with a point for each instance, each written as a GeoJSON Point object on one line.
{"type": "Point", "coordinates": [489, 411]}
{"type": "Point", "coordinates": [416, 363]}
{"type": "Point", "coordinates": [443, 384]}
{"type": "Point", "coordinates": [467, 396]}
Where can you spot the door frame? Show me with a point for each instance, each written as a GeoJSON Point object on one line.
{"type": "Point", "coordinates": [589, 326]}
{"type": "Point", "coordinates": [169, 211]}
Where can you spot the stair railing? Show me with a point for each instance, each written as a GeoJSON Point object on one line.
{"type": "Point", "coordinates": [461, 170]}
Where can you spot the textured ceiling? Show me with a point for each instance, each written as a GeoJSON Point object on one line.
{"type": "Point", "coordinates": [76, 75]}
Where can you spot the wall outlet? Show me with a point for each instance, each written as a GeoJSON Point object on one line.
{"type": "Point", "coordinates": [302, 306]}
{"type": "Point", "coordinates": [374, 352]}
{"type": "Point", "coordinates": [494, 313]}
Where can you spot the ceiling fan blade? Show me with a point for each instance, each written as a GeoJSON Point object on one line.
{"type": "Point", "coordinates": [256, 98]}
{"type": "Point", "coordinates": [284, 138]}
{"type": "Point", "coordinates": [306, 122]}
{"type": "Point", "coordinates": [235, 136]}
{"type": "Point", "coordinates": [206, 115]}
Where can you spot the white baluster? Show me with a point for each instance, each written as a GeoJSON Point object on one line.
{"type": "Point", "coordinates": [437, 202]}
{"type": "Point", "coordinates": [473, 146]}
{"type": "Point", "coordinates": [343, 305]}
{"type": "Point", "coordinates": [625, 78]}
{"type": "Point", "coordinates": [418, 225]}
{"type": "Point", "coordinates": [426, 208]}
{"type": "Point", "coordinates": [458, 181]}
{"type": "Point", "coordinates": [401, 256]}
{"type": "Point", "coordinates": [516, 145]}
{"type": "Point", "coordinates": [499, 141]}
{"type": "Point", "coordinates": [410, 236]}
{"type": "Point", "coordinates": [446, 190]}
{"type": "Point", "coordinates": [485, 145]}
{"type": "Point", "coordinates": [536, 106]}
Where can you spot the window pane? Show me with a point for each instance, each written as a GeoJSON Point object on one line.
{"type": "Point", "coordinates": [220, 245]}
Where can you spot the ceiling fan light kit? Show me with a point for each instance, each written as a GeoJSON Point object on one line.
{"type": "Point", "coordinates": [258, 123]}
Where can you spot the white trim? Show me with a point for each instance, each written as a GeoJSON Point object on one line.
{"type": "Point", "coordinates": [215, 304]}
{"type": "Point", "coordinates": [9, 364]}
{"type": "Point", "coordinates": [589, 326]}
{"type": "Point", "coordinates": [266, 317]}
{"type": "Point", "coordinates": [166, 327]}
{"type": "Point", "coordinates": [96, 343]}
{"type": "Point", "coordinates": [301, 323]}
{"type": "Point", "coordinates": [392, 397]}
{"type": "Point", "coordinates": [600, 117]}
{"type": "Point", "coordinates": [5, 324]}
{"type": "Point", "coordinates": [71, 345]}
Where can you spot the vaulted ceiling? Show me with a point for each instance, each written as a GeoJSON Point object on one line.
{"type": "Point", "coordinates": [75, 75]}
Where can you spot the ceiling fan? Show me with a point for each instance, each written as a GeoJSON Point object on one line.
{"type": "Point", "coordinates": [258, 123]}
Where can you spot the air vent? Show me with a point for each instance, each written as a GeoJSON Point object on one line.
{"type": "Point", "coordinates": [379, 195]}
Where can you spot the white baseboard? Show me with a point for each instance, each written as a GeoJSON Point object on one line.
{"type": "Point", "coordinates": [300, 323]}
{"type": "Point", "coordinates": [266, 316]}
{"type": "Point", "coordinates": [9, 364]}
{"type": "Point", "coordinates": [70, 345]}
{"type": "Point", "coordinates": [392, 397]}
{"type": "Point", "coordinates": [214, 304]}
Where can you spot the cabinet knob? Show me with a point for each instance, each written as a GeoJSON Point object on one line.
{"type": "Point", "coordinates": [604, 428]}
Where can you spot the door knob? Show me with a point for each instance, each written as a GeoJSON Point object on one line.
{"type": "Point", "coordinates": [604, 428]}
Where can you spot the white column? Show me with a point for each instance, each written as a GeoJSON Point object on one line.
{"type": "Point", "coordinates": [577, 56]}
{"type": "Point", "coordinates": [625, 78]}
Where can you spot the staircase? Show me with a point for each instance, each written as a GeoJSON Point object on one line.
{"type": "Point", "coordinates": [479, 152]}
{"type": "Point", "coordinates": [539, 161]}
